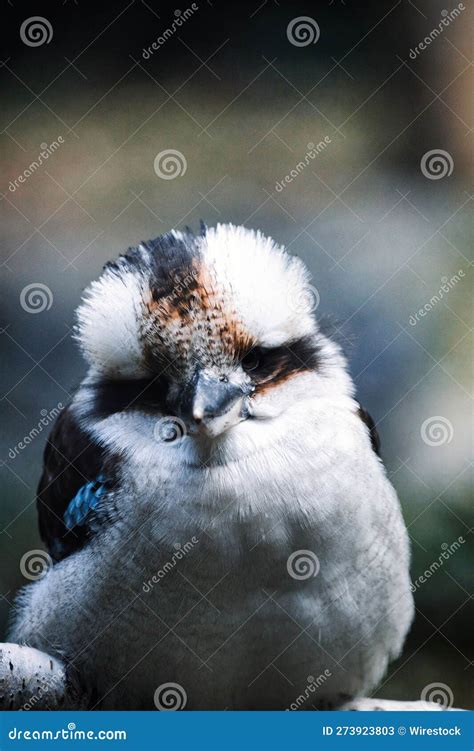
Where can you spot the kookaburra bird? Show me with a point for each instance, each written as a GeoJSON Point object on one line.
{"type": "Point", "coordinates": [212, 497]}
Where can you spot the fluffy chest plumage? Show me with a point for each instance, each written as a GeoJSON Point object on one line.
{"type": "Point", "coordinates": [298, 492]}
{"type": "Point", "coordinates": [200, 579]}
{"type": "Point", "coordinates": [195, 583]}
{"type": "Point", "coordinates": [264, 494]}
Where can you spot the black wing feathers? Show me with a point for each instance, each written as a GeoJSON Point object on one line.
{"type": "Point", "coordinates": [71, 459]}
{"type": "Point", "coordinates": [374, 436]}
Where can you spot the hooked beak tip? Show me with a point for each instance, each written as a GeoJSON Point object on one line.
{"type": "Point", "coordinates": [198, 414]}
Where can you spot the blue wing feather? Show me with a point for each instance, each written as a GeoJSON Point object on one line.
{"type": "Point", "coordinates": [85, 500]}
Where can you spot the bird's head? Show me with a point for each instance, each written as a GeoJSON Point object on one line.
{"type": "Point", "coordinates": [214, 329]}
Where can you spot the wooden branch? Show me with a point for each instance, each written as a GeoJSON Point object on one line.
{"type": "Point", "coordinates": [390, 705]}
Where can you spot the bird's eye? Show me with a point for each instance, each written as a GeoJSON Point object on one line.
{"type": "Point", "coordinates": [252, 359]}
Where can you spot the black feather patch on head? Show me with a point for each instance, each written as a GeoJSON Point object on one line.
{"type": "Point", "coordinates": [163, 260]}
{"type": "Point", "coordinates": [171, 261]}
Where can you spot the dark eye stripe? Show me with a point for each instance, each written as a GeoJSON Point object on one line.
{"type": "Point", "coordinates": [117, 396]}
{"type": "Point", "coordinates": [280, 363]}
{"type": "Point", "coordinates": [268, 367]}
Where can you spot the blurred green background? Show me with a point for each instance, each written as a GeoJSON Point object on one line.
{"type": "Point", "coordinates": [241, 102]}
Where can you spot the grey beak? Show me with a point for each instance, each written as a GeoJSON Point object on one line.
{"type": "Point", "coordinates": [213, 396]}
